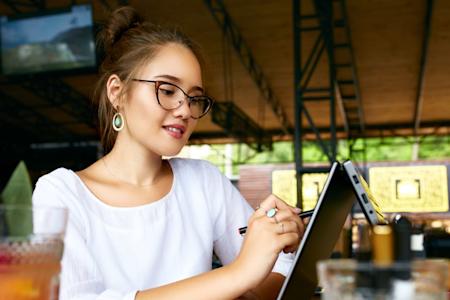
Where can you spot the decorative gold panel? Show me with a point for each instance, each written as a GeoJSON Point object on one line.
{"type": "Point", "coordinates": [284, 185]}
{"type": "Point", "coordinates": [410, 189]}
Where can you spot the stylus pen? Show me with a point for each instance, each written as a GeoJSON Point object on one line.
{"type": "Point", "coordinates": [302, 215]}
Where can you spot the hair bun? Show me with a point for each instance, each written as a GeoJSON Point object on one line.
{"type": "Point", "coordinates": [120, 21]}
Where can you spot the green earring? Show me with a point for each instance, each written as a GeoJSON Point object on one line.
{"type": "Point", "coordinates": [117, 121]}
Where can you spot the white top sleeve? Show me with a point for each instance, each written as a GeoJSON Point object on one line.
{"type": "Point", "coordinates": [233, 212]}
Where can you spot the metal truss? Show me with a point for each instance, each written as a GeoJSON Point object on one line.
{"type": "Point", "coordinates": [347, 87]}
{"type": "Point", "coordinates": [435, 127]}
{"type": "Point", "coordinates": [31, 125]}
{"type": "Point", "coordinates": [61, 95]}
{"type": "Point", "coordinates": [438, 127]}
{"type": "Point", "coordinates": [237, 124]}
{"type": "Point", "coordinates": [330, 25]}
{"type": "Point", "coordinates": [231, 31]}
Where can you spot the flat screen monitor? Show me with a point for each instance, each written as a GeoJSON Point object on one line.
{"type": "Point", "coordinates": [55, 41]}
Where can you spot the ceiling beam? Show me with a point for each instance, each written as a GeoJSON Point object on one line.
{"type": "Point", "coordinates": [231, 31]}
{"type": "Point", "coordinates": [372, 130]}
{"type": "Point", "coordinates": [60, 94]}
{"type": "Point", "coordinates": [11, 5]}
{"type": "Point", "coordinates": [238, 125]}
{"type": "Point", "coordinates": [24, 118]}
{"type": "Point", "coordinates": [423, 65]}
{"type": "Point", "coordinates": [16, 6]}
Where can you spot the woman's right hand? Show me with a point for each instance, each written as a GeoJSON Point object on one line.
{"type": "Point", "coordinates": [266, 237]}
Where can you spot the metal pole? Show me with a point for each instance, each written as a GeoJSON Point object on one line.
{"type": "Point", "coordinates": [326, 12]}
{"type": "Point", "coordinates": [296, 8]}
{"type": "Point", "coordinates": [423, 66]}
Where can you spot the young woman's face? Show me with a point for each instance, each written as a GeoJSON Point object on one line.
{"type": "Point", "coordinates": [163, 131]}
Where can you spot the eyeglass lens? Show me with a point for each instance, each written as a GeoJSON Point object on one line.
{"type": "Point", "coordinates": [171, 97]}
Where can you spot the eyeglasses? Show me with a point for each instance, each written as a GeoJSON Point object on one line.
{"type": "Point", "coordinates": [170, 97]}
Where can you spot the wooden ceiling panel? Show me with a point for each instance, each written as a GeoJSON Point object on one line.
{"type": "Point", "coordinates": [55, 115]}
{"type": "Point", "coordinates": [84, 84]}
{"type": "Point", "coordinates": [386, 37]}
{"type": "Point", "coordinates": [22, 95]}
{"type": "Point", "coordinates": [267, 33]}
{"type": "Point", "coordinates": [436, 101]}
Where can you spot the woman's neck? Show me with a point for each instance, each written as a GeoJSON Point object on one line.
{"type": "Point", "coordinates": [134, 165]}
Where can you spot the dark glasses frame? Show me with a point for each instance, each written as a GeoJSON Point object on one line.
{"type": "Point", "coordinates": [190, 99]}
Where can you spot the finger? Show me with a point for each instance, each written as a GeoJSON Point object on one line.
{"type": "Point", "coordinates": [287, 227]}
{"type": "Point", "coordinates": [283, 215]}
{"type": "Point", "coordinates": [289, 240]}
{"type": "Point", "coordinates": [274, 201]}
{"type": "Point", "coordinates": [280, 204]}
{"type": "Point", "coordinates": [300, 225]}
{"type": "Point", "coordinates": [295, 209]}
{"type": "Point", "coordinates": [260, 222]}
{"type": "Point", "coordinates": [289, 215]}
{"type": "Point", "coordinates": [260, 211]}
{"type": "Point", "coordinates": [266, 205]}
{"type": "Point", "coordinates": [286, 215]}
{"type": "Point", "coordinates": [269, 202]}
{"type": "Point", "coordinates": [291, 249]}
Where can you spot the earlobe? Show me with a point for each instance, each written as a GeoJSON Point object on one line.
{"type": "Point", "coordinates": [113, 89]}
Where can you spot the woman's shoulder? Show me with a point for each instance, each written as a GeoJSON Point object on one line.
{"type": "Point", "coordinates": [198, 172]}
{"type": "Point", "coordinates": [69, 178]}
{"type": "Point", "coordinates": [195, 166]}
{"type": "Point", "coordinates": [60, 176]}
{"type": "Point", "coordinates": [56, 187]}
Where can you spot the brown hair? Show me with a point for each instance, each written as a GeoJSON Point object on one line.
{"type": "Point", "coordinates": [127, 43]}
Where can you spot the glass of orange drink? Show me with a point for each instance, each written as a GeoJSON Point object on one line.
{"type": "Point", "coordinates": [31, 248]}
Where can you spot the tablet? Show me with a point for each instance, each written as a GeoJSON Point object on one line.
{"type": "Point", "coordinates": [344, 184]}
{"type": "Point", "coordinates": [321, 234]}
{"type": "Point", "coordinates": [368, 203]}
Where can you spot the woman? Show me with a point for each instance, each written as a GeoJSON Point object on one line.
{"type": "Point", "coordinates": [142, 227]}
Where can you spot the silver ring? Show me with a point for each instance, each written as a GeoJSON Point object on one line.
{"type": "Point", "coordinates": [275, 218]}
{"type": "Point", "coordinates": [271, 212]}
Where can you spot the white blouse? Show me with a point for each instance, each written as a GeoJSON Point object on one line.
{"type": "Point", "coordinates": [112, 252]}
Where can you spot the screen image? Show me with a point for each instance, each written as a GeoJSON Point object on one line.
{"type": "Point", "coordinates": [51, 42]}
